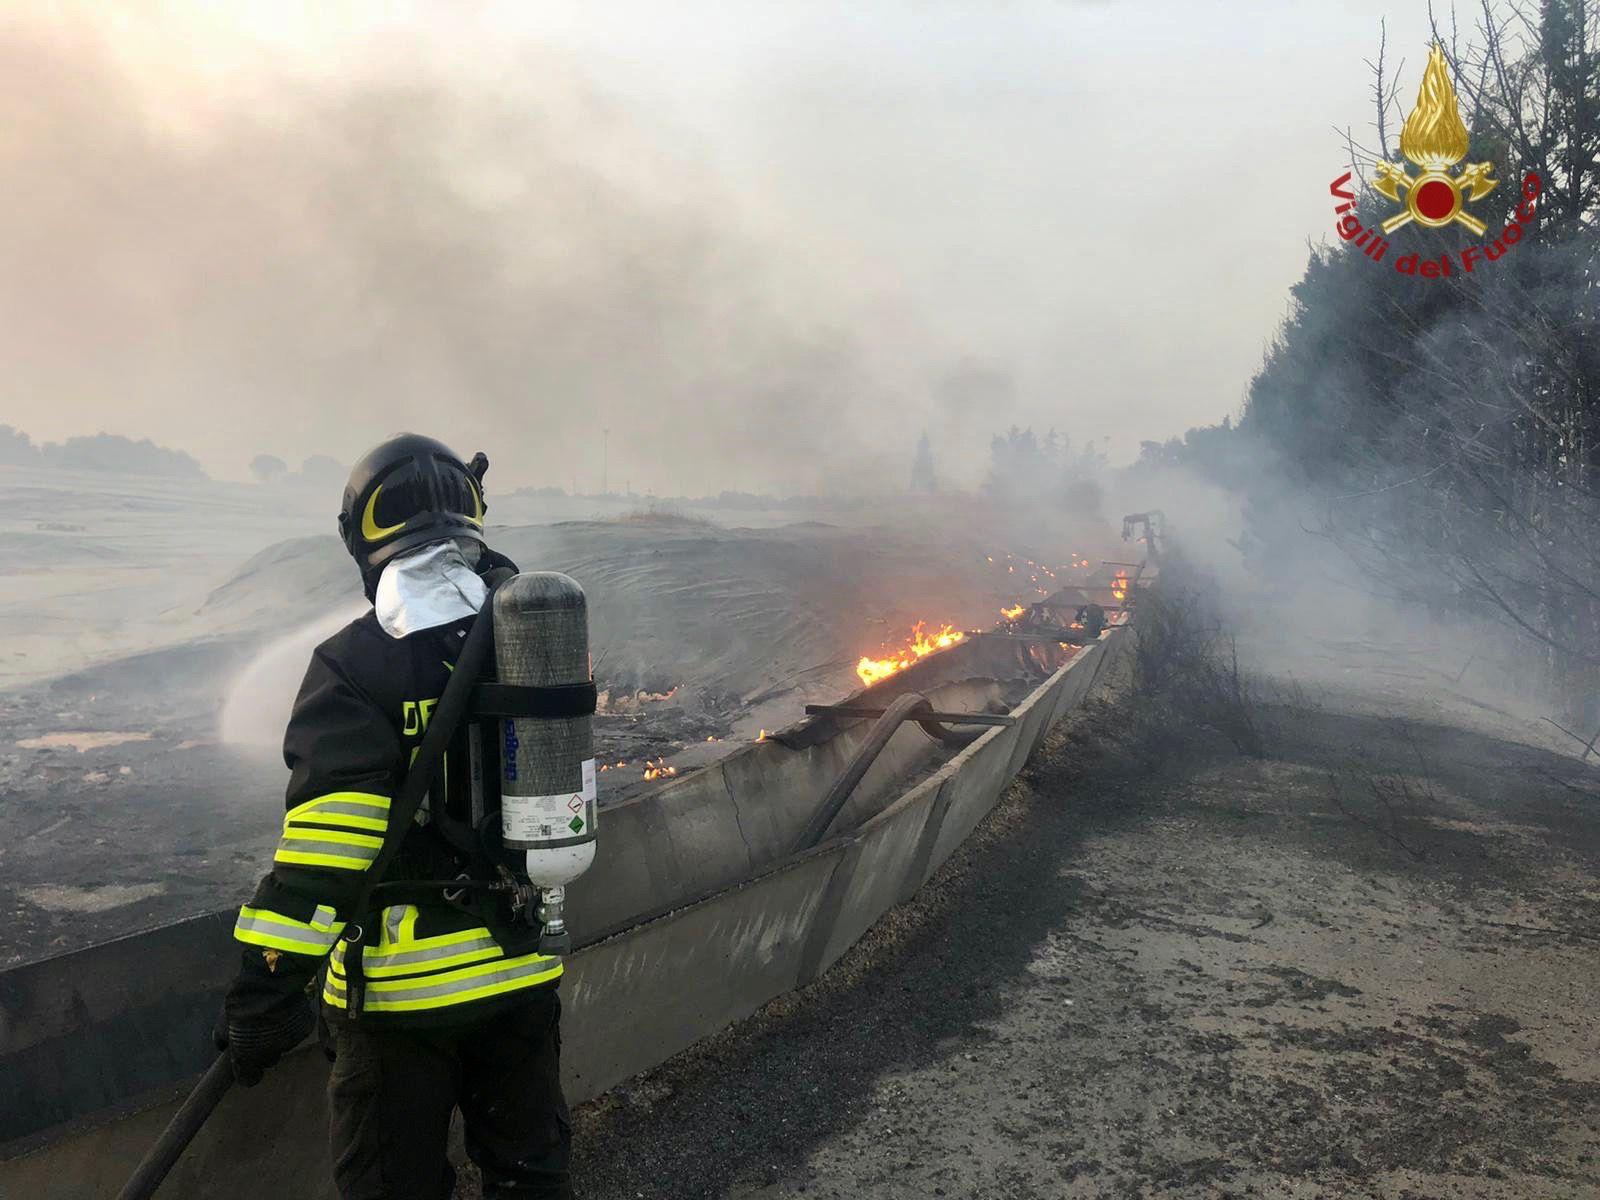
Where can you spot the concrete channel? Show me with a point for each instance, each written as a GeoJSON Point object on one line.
{"type": "Point", "coordinates": [694, 916]}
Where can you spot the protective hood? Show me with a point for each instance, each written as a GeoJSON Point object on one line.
{"type": "Point", "coordinates": [431, 586]}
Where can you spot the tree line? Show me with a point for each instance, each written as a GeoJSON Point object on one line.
{"type": "Point", "coordinates": [1449, 428]}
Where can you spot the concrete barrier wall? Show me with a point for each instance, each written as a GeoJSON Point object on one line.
{"type": "Point", "coordinates": [739, 923]}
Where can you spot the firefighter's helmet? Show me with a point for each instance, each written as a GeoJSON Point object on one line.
{"type": "Point", "coordinates": [405, 493]}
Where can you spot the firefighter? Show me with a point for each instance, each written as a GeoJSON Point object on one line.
{"type": "Point", "coordinates": [457, 1008]}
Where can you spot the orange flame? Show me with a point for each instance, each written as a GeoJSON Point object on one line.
{"type": "Point", "coordinates": [658, 769]}
{"type": "Point", "coordinates": [1011, 614]}
{"type": "Point", "coordinates": [921, 644]}
{"type": "Point", "coordinates": [1119, 586]}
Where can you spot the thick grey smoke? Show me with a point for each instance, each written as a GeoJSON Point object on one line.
{"type": "Point", "coordinates": [296, 264]}
{"type": "Point", "coordinates": [766, 245]}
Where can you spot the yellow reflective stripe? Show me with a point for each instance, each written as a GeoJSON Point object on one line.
{"type": "Point", "coordinates": [301, 858]}
{"type": "Point", "coordinates": [398, 950]}
{"type": "Point", "coordinates": [356, 810]}
{"type": "Point", "coordinates": [327, 848]}
{"type": "Point", "coordinates": [405, 918]}
{"type": "Point", "coordinates": [399, 925]}
{"type": "Point", "coordinates": [366, 799]}
{"type": "Point", "coordinates": [434, 942]}
{"type": "Point", "coordinates": [360, 840]}
{"type": "Point", "coordinates": [433, 961]}
{"type": "Point", "coordinates": [449, 988]}
{"type": "Point", "coordinates": [415, 956]}
{"type": "Point", "coordinates": [322, 919]}
{"type": "Point", "coordinates": [450, 979]}
{"type": "Point", "coordinates": [263, 927]}
{"type": "Point", "coordinates": [342, 820]}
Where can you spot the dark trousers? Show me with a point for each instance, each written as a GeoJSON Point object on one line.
{"type": "Point", "coordinates": [391, 1096]}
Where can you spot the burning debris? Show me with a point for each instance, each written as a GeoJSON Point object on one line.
{"type": "Point", "coordinates": [610, 701]}
{"type": "Point", "coordinates": [1012, 613]}
{"type": "Point", "coordinates": [1119, 586]}
{"type": "Point", "coordinates": [922, 643]}
{"type": "Point", "coordinates": [658, 769]}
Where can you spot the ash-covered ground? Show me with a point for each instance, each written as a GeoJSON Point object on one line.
{"type": "Point", "coordinates": [154, 633]}
{"type": "Point", "coordinates": [1363, 964]}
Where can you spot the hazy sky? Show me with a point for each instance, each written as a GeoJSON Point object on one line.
{"type": "Point", "coordinates": [764, 244]}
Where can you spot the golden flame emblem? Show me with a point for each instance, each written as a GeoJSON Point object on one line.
{"type": "Point", "coordinates": [1435, 139]}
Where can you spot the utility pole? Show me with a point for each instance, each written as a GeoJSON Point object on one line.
{"type": "Point", "coordinates": [605, 462]}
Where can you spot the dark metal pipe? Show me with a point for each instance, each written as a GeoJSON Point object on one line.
{"type": "Point", "coordinates": [954, 738]}
{"type": "Point", "coordinates": [908, 706]}
{"type": "Point", "coordinates": [858, 710]}
{"type": "Point", "coordinates": [180, 1131]}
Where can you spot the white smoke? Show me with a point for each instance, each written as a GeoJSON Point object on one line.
{"type": "Point", "coordinates": [257, 705]}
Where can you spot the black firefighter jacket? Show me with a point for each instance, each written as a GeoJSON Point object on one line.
{"type": "Point", "coordinates": [360, 715]}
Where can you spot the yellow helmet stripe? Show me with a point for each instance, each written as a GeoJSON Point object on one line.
{"type": "Point", "coordinates": [369, 521]}
{"type": "Point", "coordinates": [477, 500]}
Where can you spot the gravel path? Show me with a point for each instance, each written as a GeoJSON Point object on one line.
{"type": "Point", "coordinates": [1322, 974]}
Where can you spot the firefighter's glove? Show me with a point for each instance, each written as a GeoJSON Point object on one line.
{"type": "Point", "coordinates": [256, 1042]}
{"type": "Point", "coordinates": [266, 1012]}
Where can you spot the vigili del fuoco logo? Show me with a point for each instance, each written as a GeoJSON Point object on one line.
{"type": "Point", "coordinates": [1434, 139]}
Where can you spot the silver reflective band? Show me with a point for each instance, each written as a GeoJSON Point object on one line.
{"type": "Point", "coordinates": [422, 990]}
{"type": "Point", "coordinates": [301, 845]}
{"type": "Point", "coordinates": [405, 958]}
{"type": "Point", "coordinates": [320, 939]}
{"type": "Point", "coordinates": [381, 992]}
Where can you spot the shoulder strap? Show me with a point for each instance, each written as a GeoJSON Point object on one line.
{"type": "Point", "coordinates": [447, 716]}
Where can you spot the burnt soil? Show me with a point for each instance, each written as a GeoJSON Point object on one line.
{"type": "Point", "coordinates": [1364, 964]}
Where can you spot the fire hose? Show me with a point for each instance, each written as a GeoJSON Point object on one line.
{"type": "Point", "coordinates": [180, 1131]}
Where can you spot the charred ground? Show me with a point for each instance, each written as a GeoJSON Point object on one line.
{"type": "Point", "coordinates": [144, 784]}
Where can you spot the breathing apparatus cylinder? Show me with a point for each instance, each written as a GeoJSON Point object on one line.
{"type": "Point", "coordinates": [547, 774]}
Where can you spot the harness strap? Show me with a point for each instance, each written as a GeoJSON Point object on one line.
{"type": "Point", "coordinates": [563, 700]}
{"type": "Point", "coordinates": [447, 717]}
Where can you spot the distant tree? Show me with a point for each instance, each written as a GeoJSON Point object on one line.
{"type": "Point", "coordinates": [112, 452]}
{"type": "Point", "coordinates": [1017, 465]}
{"type": "Point", "coordinates": [268, 468]}
{"type": "Point", "coordinates": [1217, 453]}
{"type": "Point", "coordinates": [922, 476]}
{"type": "Point", "coordinates": [1451, 428]}
{"type": "Point", "coordinates": [1024, 468]}
{"type": "Point", "coordinates": [1078, 475]}
{"type": "Point", "coordinates": [16, 448]}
